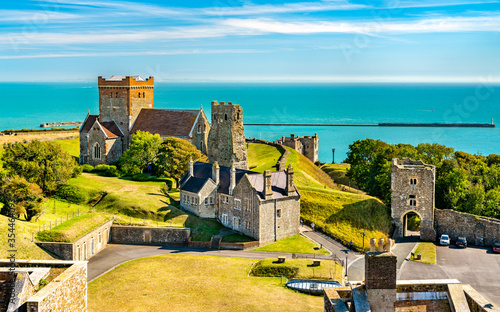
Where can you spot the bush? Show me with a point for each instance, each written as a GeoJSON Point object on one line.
{"type": "Point", "coordinates": [73, 194]}
{"type": "Point", "coordinates": [87, 168]}
{"type": "Point", "coordinates": [112, 171]}
{"type": "Point", "coordinates": [77, 170]}
{"type": "Point", "coordinates": [282, 270]}
{"type": "Point", "coordinates": [141, 177]}
{"type": "Point", "coordinates": [101, 168]}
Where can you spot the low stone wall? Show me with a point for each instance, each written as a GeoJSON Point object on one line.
{"type": "Point", "coordinates": [478, 303]}
{"type": "Point", "coordinates": [67, 292]}
{"type": "Point", "coordinates": [84, 247]}
{"type": "Point", "coordinates": [199, 244]}
{"type": "Point", "coordinates": [239, 246]}
{"type": "Point", "coordinates": [479, 231]}
{"type": "Point", "coordinates": [149, 235]}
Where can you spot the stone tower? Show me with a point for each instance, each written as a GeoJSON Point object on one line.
{"type": "Point", "coordinates": [121, 98]}
{"type": "Point", "coordinates": [226, 140]}
{"type": "Point", "coordinates": [413, 190]}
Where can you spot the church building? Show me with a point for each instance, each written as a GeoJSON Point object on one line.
{"type": "Point", "coordinates": [125, 107]}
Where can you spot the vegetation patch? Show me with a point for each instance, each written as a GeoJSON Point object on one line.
{"type": "Point", "coordinates": [237, 238]}
{"type": "Point", "coordinates": [72, 229]}
{"type": "Point", "coordinates": [427, 251]}
{"type": "Point", "coordinates": [262, 157]}
{"type": "Point", "coordinates": [299, 269]}
{"type": "Point", "coordinates": [338, 172]}
{"type": "Point", "coordinates": [71, 146]}
{"type": "Point", "coordinates": [294, 244]}
{"type": "Point", "coordinates": [213, 284]}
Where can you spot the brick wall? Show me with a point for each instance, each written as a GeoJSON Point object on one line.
{"type": "Point", "coordinates": [149, 235]}
{"type": "Point", "coordinates": [478, 230]}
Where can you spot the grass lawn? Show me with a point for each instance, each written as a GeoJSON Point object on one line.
{"type": "Point", "coordinates": [74, 228]}
{"type": "Point", "coordinates": [428, 252]}
{"type": "Point", "coordinates": [307, 174]}
{"type": "Point", "coordinates": [213, 284]}
{"type": "Point", "coordinates": [25, 248]}
{"type": "Point", "coordinates": [143, 203]}
{"type": "Point", "coordinates": [338, 173]}
{"type": "Point", "coordinates": [294, 244]}
{"type": "Point", "coordinates": [299, 269]}
{"type": "Point", "coordinates": [262, 157]}
{"type": "Point", "coordinates": [72, 146]}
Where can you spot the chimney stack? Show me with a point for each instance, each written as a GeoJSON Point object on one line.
{"type": "Point", "coordinates": [268, 192]}
{"type": "Point", "coordinates": [215, 172]}
{"type": "Point", "coordinates": [191, 167]}
{"type": "Point", "coordinates": [232, 180]}
{"type": "Point", "coordinates": [289, 189]}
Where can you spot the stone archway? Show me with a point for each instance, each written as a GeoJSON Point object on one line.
{"type": "Point", "coordinates": [405, 219]}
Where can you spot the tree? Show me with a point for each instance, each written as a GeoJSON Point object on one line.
{"type": "Point", "coordinates": [141, 153]}
{"type": "Point", "coordinates": [173, 158]}
{"type": "Point", "coordinates": [43, 163]}
{"type": "Point", "coordinates": [22, 196]}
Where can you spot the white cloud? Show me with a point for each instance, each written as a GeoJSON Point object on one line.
{"type": "Point", "coordinates": [34, 16]}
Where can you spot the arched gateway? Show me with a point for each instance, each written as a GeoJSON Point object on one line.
{"type": "Point", "coordinates": [412, 185]}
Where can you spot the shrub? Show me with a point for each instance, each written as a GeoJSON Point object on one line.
{"type": "Point", "coordinates": [140, 177]}
{"type": "Point", "coordinates": [77, 170]}
{"type": "Point", "coordinates": [282, 270]}
{"type": "Point", "coordinates": [73, 194]}
{"type": "Point", "coordinates": [101, 168]}
{"type": "Point", "coordinates": [112, 171]}
{"type": "Point", "coordinates": [87, 168]}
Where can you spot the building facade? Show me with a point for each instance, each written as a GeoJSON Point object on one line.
{"type": "Point", "coordinates": [306, 145]}
{"type": "Point", "coordinates": [264, 206]}
{"type": "Point", "coordinates": [126, 105]}
{"type": "Point", "coordinates": [413, 190]}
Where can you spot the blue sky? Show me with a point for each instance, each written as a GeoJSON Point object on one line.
{"type": "Point", "coordinates": [255, 41]}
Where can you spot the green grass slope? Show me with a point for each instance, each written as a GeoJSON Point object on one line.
{"type": "Point", "coordinates": [262, 157]}
{"type": "Point", "coordinates": [340, 214]}
{"type": "Point", "coordinates": [73, 228]}
{"type": "Point", "coordinates": [72, 146]}
{"type": "Point", "coordinates": [26, 249]}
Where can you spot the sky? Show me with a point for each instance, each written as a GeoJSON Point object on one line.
{"type": "Point", "coordinates": [251, 41]}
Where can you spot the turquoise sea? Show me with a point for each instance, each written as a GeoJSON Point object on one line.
{"type": "Point", "coordinates": [26, 105]}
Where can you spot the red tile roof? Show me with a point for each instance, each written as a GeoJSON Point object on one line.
{"type": "Point", "coordinates": [111, 129]}
{"type": "Point", "coordinates": [165, 122]}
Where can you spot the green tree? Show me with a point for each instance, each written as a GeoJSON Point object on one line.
{"type": "Point", "coordinates": [43, 163]}
{"type": "Point", "coordinates": [492, 203]}
{"type": "Point", "coordinates": [141, 153]}
{"type": "Point", "coordinates": [173, 158]}
{"type": "Point", "coordinates": [23, 197]}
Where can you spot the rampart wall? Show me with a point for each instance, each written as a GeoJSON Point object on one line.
{"type": "Point", "coordinates": [149, 235]}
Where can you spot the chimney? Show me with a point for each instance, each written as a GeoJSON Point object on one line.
{"type": "Point", "coordinates": [380, 278]}
{"type": "Point", "coordinates": [380, 245]}
{"type": "Point", "coordinates": [191, 167]}
{"type": "Point", "coordinates": [289, 189]}
{"type": "Point", "coordinates": [373, 241]}
{"type": "Point", "coordinates": [268, 192]}
{"type": "Point", "coordinates": [215, 172]}
{"type": "Point", "coordinates": [232, 180]}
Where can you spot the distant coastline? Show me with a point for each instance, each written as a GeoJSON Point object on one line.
{"type": "Point", "coordinates": [382, 124]}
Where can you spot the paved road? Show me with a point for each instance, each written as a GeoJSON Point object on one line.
{"type": "Point", "coordinates": [476, 266]}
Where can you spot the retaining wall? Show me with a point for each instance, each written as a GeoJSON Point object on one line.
{"type": "Point", "coordinates": [149, 235]}
{"type": "Point", "coordinates": [479, 231]}
{"type": "Point", "coordinates": [84, 247]}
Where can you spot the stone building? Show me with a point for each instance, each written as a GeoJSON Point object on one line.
{"type": "Point", "coordinates": [413, 190]}
{"type": "Point", "coordinates": [125, 107]}
{"type": "Point", "coordinates": [306, 145]}
{"type": "Point", "coordinates": [226, 140]}
{"type": "Point", "coordinates": [264, 206]}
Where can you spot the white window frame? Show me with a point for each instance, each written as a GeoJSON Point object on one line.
{"type": "Point", "coordinates": [206, 201]}
{"type": "Point", "coordinates": [237, 204]}
{"type": "Point", "coordinates": [211, 200]}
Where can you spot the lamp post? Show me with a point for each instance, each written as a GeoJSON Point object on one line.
{"type": "Point", "coordinates": [364, 234]}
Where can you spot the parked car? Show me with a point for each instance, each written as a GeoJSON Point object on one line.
{"type": "Point", "coordinates": [461, 242]}
{"type": "Point", "coordinates": [496, 247]}
{"type": "Point", "coordinates": [444, 240]}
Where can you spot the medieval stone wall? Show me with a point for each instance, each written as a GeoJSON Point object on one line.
{"type": "Point", "coordinates": [412, 185]}
{"type": "Point", "coordinates": [96, 136]}
{"type": "Point", "coordinates": [226, 140]}
{"type": "Point", "coordinates": [149, 235]}
{"type": "Point", "coordinates": [306, 145]}
{"type": "Point", "coordinates": [279, 218]}
{"type": "Point", "coordinates": [114, 149]}
{"type": "Point", "coordinates": [69, 293]}
{"type": "Point", "coordinates": [479, 231]}
{"type": "Point", "coordinates": [200, 133]}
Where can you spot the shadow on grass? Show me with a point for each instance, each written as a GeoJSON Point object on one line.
{"type": "Point", "coordinates": [367, 214]}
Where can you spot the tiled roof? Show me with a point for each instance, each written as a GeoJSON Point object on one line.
{"type": "Point", "coordinates": [203, 172]}
{"type": "Point", "coordinates": [165, 122]}
{"type": "Point", "coordinates": [111, 129]}
{"type": "Point", "coordinates": [88, 123]}
{"type": "Point", "coordinates": [194, 185]}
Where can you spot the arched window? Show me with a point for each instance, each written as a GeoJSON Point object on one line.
{"type": "Point", "coordinates": [111, 94]}
{"type": "Point", "coordinates": [97, 151]}
{"type": "Point", "coordinates": [116, 94]}
{"type": "Point", "coordinates": [238, 116]}
{"type": "Point", "coordinates": [225, 116]}
{"type": "Point", "coordinates": [143, 94]}
{"type": "Point", "coordinates": [199, 128]}
{"type": "Point", "coordinates": [139, 94]}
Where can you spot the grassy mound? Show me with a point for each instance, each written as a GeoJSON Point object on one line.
{"type": "Point", "coordinates": [143, 203]}
{"type": "Point", "coordinates": [262, 157]}
{"type": "Point", "coordinates": [294, 244]}
{"type": "Point", "coordinates": [25, 248]}
{"type": "Point", "coordinates": [299, 268]}
{"type": "Point", "coordinates": [342, 215]}
{"type": "Point", "coordinates": [72, 229]}
{"type": "Point", "coordinates": [338, 173]}
{"type": "Point", "coordinates": [72, 146]}
{"type": "Point", "coordinates": [193, 283]}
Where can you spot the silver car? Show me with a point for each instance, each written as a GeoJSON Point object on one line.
{"type": "Point", "coordinates": [444, 240]}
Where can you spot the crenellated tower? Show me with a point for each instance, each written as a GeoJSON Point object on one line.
{"type": "Point", "coordinates": [226, 140]}
{"type": "Point", "coordinates": [121, 98]}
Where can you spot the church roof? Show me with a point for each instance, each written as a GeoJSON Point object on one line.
{"type": "Point", "coordinates": [109, 127]}
{"type": "Point", "coordinates": [203, 171]}
{"type": "Point", "coordinates": [166, 122]}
